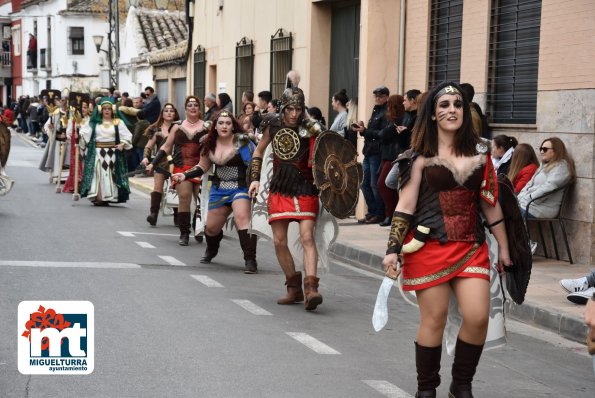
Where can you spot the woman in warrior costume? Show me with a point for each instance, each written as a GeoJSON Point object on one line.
{"type": "Point", "coordinates": [74, 124]}
{"type": "Point", "coordinates": [158, 133]}
{"type": "Point", "coordinates": [293, 195]}
{"type": "Point", "coordinates": [446, 181]}
{"type": "Point", "coordinates": [105, 138]}
{"type": "Point", "coordinates": [184, 140]}
{"type": "Point", "coordinates": [230, 151]}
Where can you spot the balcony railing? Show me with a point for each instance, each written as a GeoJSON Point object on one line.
{"type": "Point", "coordinates": [5, 61]}
{"type": "Point", "coordinates": [32, 61]}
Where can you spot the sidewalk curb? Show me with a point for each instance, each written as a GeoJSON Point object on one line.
{"type": "Point", "coordinates": [569, 327]}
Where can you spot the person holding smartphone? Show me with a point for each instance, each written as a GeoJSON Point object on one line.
{"type": "Point", "coordinates": [372, 156]}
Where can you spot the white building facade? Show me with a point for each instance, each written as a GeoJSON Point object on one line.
{"type": "Point", "coordinates": [66, 54]}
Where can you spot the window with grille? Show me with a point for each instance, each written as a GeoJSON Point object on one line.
{"type": "Point", "coordinates": [76, 41]}
{"type": "Point", "coordinates": [446, 28]}
{"type": "Point", "coordinates": [514, 59]}
{"type": "Point", "coordinates": [281, 52]}
{"type": "Point", "coordinates": [200, 70]}
{"type": "Point", "coordinates": [244, 68]}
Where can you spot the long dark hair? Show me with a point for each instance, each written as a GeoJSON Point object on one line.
{"type": "Point", "coordinates": [157, 125]}
{"type": "Point", "coordinates": [211, 140]}
{"type": "Point", "coordinates": [394, 107]}
{"type": "Point", "coordinates": [425, 131]}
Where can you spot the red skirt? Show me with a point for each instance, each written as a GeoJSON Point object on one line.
{"type": "Point", "coordinates": [183, 169]}
{"type": "Point", "coordinates": [435, 264]}
{"type": "Point", "coordinates": [284, 207]}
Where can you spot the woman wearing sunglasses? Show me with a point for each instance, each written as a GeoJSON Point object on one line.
{"type": "Point", "coordinates": [158, 133]}
{"type": "Point", "coordinates": [184, 141]}
{"type": "Point", "coordinates": [556, 170]}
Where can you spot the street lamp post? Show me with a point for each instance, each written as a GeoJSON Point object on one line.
{"type": "Point", "coordinates": [113, 49]}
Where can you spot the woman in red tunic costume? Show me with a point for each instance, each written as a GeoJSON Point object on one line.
{"type": "Point", "coordinates": [184, 140]}
{"type": "Point", "coordinates": [446, 182]}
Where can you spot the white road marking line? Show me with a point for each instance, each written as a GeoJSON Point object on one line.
{"type": "Point", "coordinates": [64, 264]}
{"type": "Point", "coordinates": [251, 307]}
{"type": "Point", "coordinates": [387, 389]}
{"type": "Point", "coordinates": [20, 163]}
{"type": "Point", "coordinates": [171, 260]}
{"type": "Point", "coordinates": [145, 245]}
{"type": "Point", "coordinates": [358, 270]}
{"type": "Point", "coordinates": [315, 345]}
{"type": "Point", "coordinates": [146, 233]}
{"type": "Point", "coordinates": [126, 234]}
{"type": "Point", "coordinates": [205, 280]}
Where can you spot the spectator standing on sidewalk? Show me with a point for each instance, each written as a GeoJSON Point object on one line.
{"type": "Point", "coordinates": [372, 156]}
{"type": "Point", "coordinates": [339, 104]}
{"type": "Point", "coordinates": [261, 107]}
{"type": "Point", "coordinates": [152, 106]}
{"type": "Point", "coordinates": [211, 106]}
{"type": "Point", "coordinates": [393, 143]}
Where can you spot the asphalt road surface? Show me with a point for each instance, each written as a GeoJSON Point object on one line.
{"type": "Point", "coordinates": [168, 326]}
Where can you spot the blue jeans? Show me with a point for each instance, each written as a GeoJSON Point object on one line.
{"type": "Point", "coordinates": [371, 168]}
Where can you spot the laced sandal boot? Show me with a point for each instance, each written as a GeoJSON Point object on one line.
{"type": "Point", "coordinates": [154, 209]}
{"type": "Point", "coordinates": [427, 363]}
{"type": "Point", "coordinates": [463, 369]}
{"type": "Point", "coordinates": [184, 225]}
{"type": "Point", "coordinates": [213, 243]}
{"type": "Point", "coordinates": [248, 244]}
{"type": "Point", "coordinates": [295, 294]}
{"type": "Point", "coordinates": [313, 298]}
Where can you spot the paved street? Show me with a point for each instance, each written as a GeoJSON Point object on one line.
{"type": "Point", "coordinates": [167, 326]}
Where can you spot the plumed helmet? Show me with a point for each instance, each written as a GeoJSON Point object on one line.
{"type": "Point", "coordinates": [293, 95]}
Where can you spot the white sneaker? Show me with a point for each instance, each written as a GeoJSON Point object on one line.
{"type": "Point", "coordinates": [574, 285]}
{"type": "Point", "coordinates": [582, 296]}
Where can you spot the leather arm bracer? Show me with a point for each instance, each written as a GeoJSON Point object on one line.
{"type": "Point", "coordinates": [147, 152]}
{"type": "Point", "coordinates": [255, 169]}
{"type": "Point", "coordinates": [398, 231]}
{"type": "Point", "coordinates": [193, 173]}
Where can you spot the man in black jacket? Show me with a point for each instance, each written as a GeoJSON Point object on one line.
{"type": "Point", "coordinates": [372, 159]}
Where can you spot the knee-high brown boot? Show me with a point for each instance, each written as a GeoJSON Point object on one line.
{"type": "Point", "coordinates": [154, 209]}
{"type": "Point", "coordinates": [295, 294]}
{"type": "Point", "coordinates": [427, 362]}
{"type": "Point", "coordinates": [184, 225]}
{"type": "Point", "coordinates": [212, 249]}
{"type": "Point", "coordinates": [463, 369]}
{"type": "Point", "coordinates": [248, 243]}
{"type": "Point", "coordinates": [313, 298]}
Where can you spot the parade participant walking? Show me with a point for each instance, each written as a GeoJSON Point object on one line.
{"type": "Point", "coordinates": [105, 138]}
{"type": "Point", "coordinates": [184, 141]}
{"type": "Point", "coordinates": [446, 181]}
{"type": "Point", "coordinates": [230, 151]}
{"type": "Point", "coordinates": [158, 133]}
{"type": "Point", "coordinates": [293, 195]}
{"type": "Point", "coordinates": [78, 118]}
